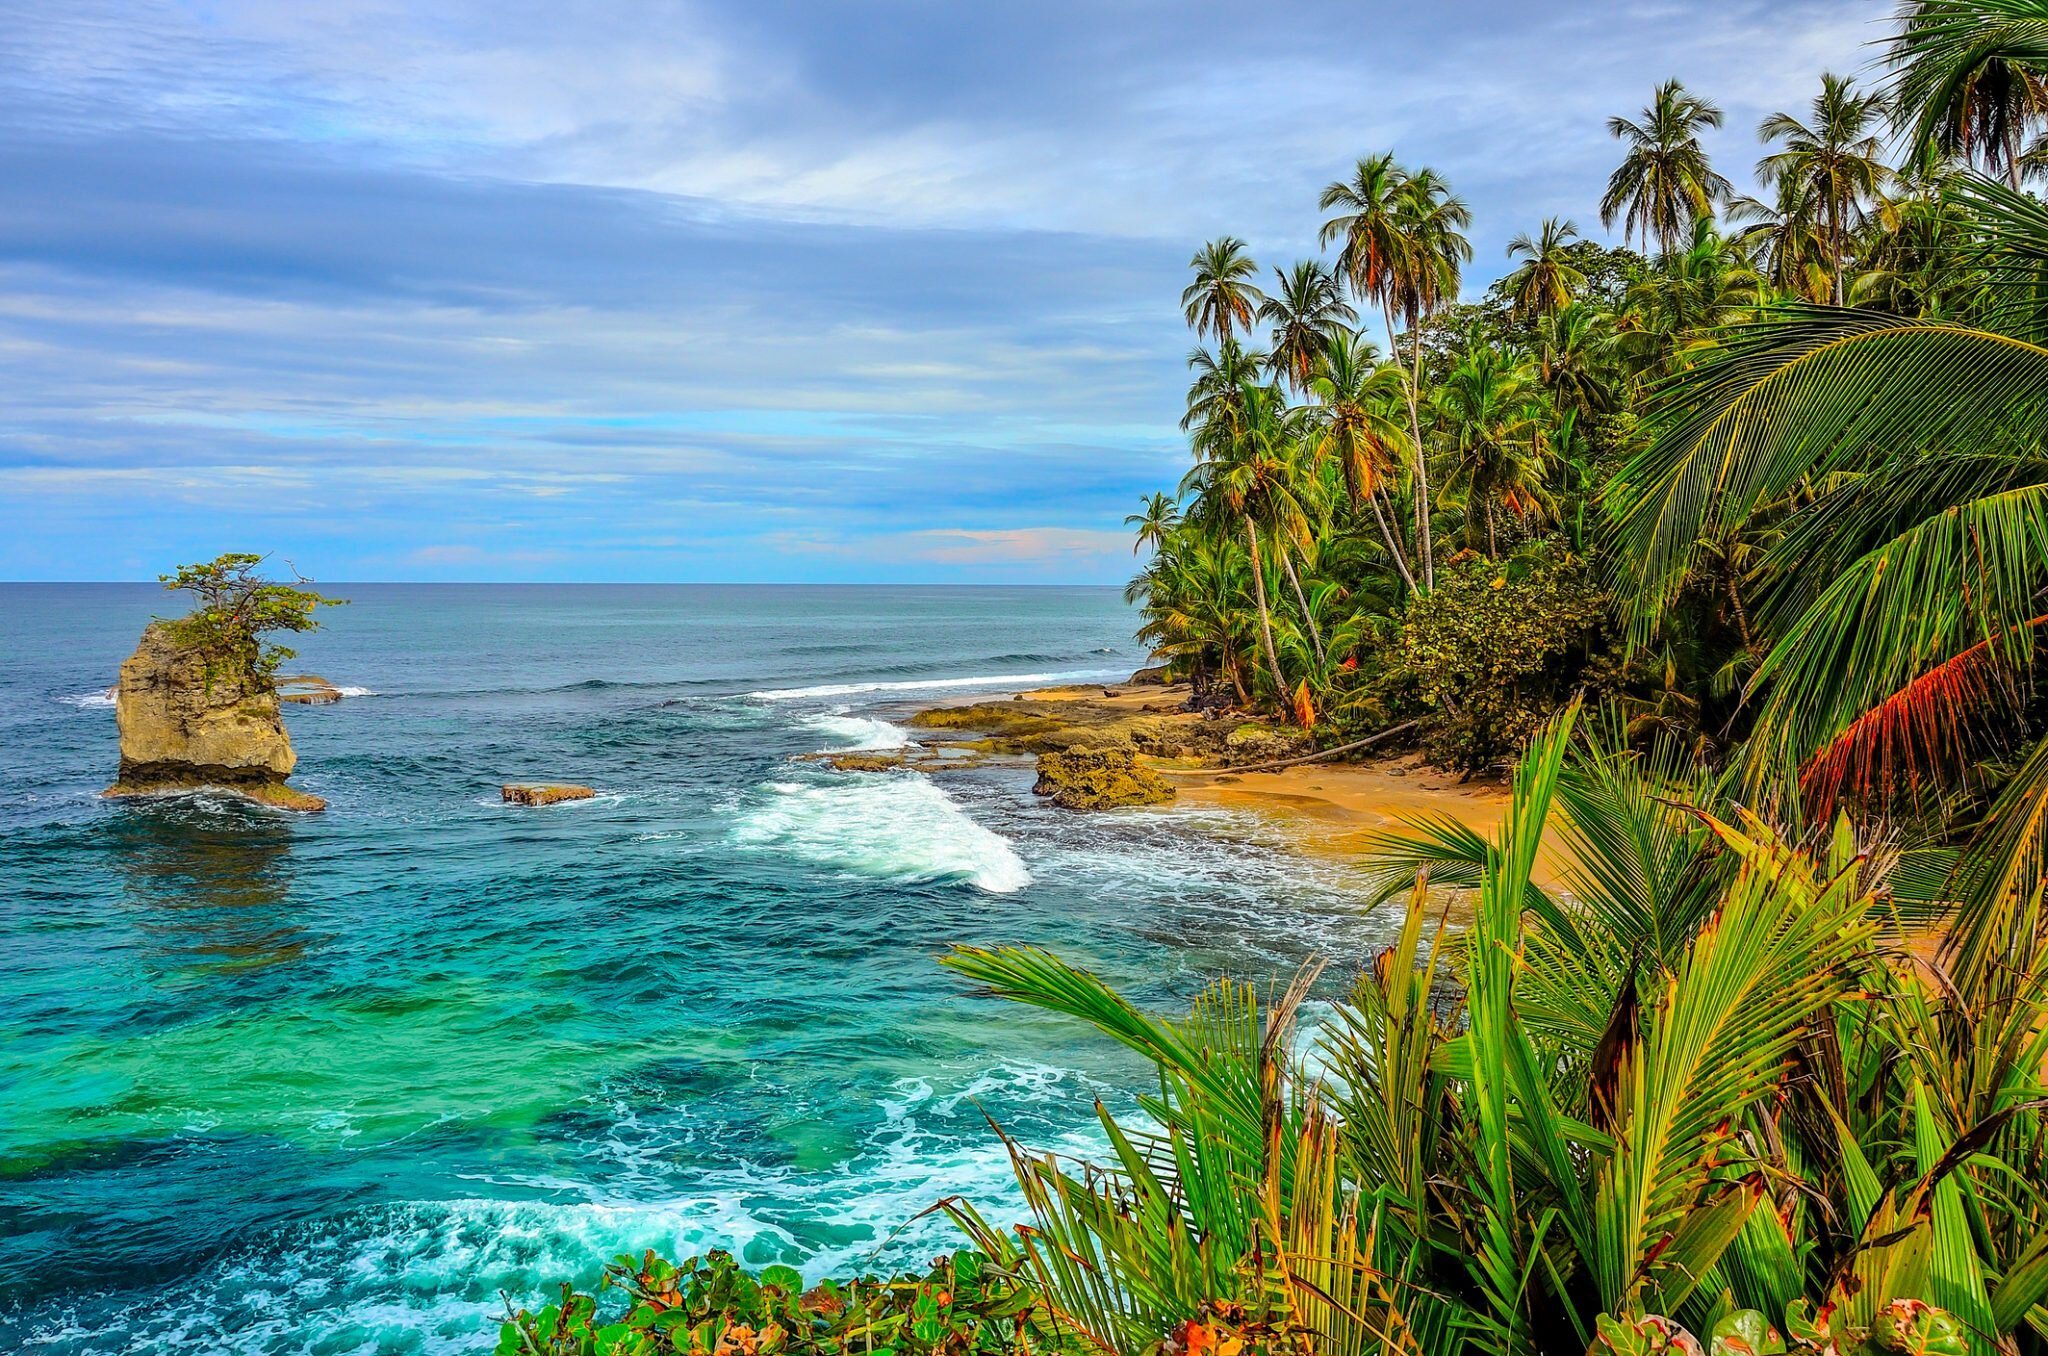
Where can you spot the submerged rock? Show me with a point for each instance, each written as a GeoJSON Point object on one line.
{"type": "Point", "coordinates": [1099, 779]}
{"type": "Point", "coordinates": [185, 725]}
{"type": "Point", "coordinates": [544, 793]}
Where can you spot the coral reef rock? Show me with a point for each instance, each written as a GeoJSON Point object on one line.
{"type": "Point", "coordinates": [544, 793]}
{"type": "Point", "coordinates": [1099, 779]}
{"type": "Point", "coordinates": [184, 727]}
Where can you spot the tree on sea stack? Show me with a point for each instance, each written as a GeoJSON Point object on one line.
{"type": "Point", "coordinates": [239, 607]}
{"type": "Point", "coordinates": [197, 702]}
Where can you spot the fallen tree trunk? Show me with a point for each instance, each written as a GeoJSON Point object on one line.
{"type": "Point", "coordinates": [1387, 733]}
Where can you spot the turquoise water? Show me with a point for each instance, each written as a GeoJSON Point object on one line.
{"type": "Point", "coordinates": [331, 1083]}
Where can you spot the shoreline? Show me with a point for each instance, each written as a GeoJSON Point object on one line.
{"type": "Point", "coordinates": [1321, 809]}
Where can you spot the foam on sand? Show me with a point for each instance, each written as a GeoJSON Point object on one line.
{"type": "Point", "coordinates": [886, 825]}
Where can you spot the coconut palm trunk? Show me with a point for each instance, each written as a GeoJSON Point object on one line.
{"type": "Point", "coordinates": [1315, 633]}
{"type": "Point", "coordinates": [1422, 544]}
{"type": "Point", "coordinates": [1393, 542]}
{"type": "Point", "coordinates": [1251, 533]}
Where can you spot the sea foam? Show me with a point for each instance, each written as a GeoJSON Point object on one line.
{"type": "Point", "coordinates": [891, 826]}
{"type": "Point", "coordinates": [857, 732]}
{"type": "Point", "coordinates": [98, 698]}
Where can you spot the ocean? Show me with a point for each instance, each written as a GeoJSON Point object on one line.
{"type": "Point", "coordinates": [335, 1083]}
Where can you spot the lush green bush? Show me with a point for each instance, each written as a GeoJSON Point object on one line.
{"type": "Point", "coordinates": [710, 1306]}
{"type": "Point", "coordinates": [237, 608]}
{"type": "Point", "coordinates": [1493, 652]}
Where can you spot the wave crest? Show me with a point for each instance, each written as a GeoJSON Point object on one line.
{"type": "Point", "coordinates": [896, 827]}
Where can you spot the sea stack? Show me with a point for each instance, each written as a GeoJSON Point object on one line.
{"type": "Point", "coordinates": [185, 724]}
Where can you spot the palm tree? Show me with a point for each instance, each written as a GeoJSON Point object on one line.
{"type": "Point", "coordinates": [1245, 469]}
{"type": "Point", "coordinates": [1547, 278]}
{"type": "Point", "coordinates": [1784, 241]}
{"type": "Point", "coordinates": [1575, 358]}
{"type": "Point", "coordinates": [1356, 427]}
{"type": "Point", "coordinates": [1373, 219]}
{"type": "Point", "coordinates": [1833, 165]}
{"type": "Point", "coordinates": [1220, 379]}
{"type": "Point", "coordinates": [1967, 78]}
{"type": "Point", "coordinates": [1434, 251]}
{"type": "Point", "coordinates": [1489, 402]}
{"type": "Point", "coordinates": [1191, 596]}
{"type": "Point", "coordinates": [1601, 1109]}
{"type": "Point", "coordinates": [1307, 310]}
{"type": "Point", "coordinates": [1223, 298]}
{"type": "Point", "coordinates": [1155, 522]}
{"type": "Point", "coordinates": [1665, 183]}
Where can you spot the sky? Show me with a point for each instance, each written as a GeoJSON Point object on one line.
{"type": "Point", "coordinates": [737, 290]}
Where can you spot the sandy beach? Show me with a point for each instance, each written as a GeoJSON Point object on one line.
{"type": "Point", "coordinates": [1326, 808]}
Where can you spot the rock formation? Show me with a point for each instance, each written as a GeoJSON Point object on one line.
{"type": "Point", "coordinates": [544, 793]}
{"type": "Point", "coordinates": [183, 727]}
{"type": "Point", "coordinates": [1099, 779]}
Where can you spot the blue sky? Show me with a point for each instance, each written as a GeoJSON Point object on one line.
{"type": "Point", "coordinates": [747, 290]}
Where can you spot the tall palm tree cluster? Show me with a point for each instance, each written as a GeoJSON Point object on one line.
{"type": "Point", "coordinates": [1360, 431]}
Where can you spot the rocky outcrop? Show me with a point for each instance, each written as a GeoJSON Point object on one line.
{"type": "Point", "coordinates": [1254, 743]}
{"type": "Point", "coordinates": [308, 689]}
{"type": "Point", "coordinates": [1151, 677]}
{"type": "Point", "coordinates": [184, 726]}
{"type": "Point", "coordinates": [544, 793]}
{"type": "Point", "coordinates": [1098, 779]}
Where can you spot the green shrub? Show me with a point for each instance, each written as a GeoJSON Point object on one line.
{"type": "Point", "coordinates": [965, 1305]}
{"type": "Point", "coordinates": [1491, 654]}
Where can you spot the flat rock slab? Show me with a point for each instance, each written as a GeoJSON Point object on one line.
{"type": "Point", "coordinates": [308, 689]}
{"type": "Point", "coordinates": [544, 793]}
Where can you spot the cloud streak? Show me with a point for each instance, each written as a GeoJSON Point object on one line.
{"type": "Point", "coordinates": [669, 290]}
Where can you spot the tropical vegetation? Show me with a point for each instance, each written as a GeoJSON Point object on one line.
{"type": "Point", "coordinates": [1733, 547]}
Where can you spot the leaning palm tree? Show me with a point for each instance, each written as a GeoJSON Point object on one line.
{"type": "Point", "coordinates": [1305, 312]}
{"type": "Point", "coordinates": [1547, 279]}
{"type": "Point", "coordinates": [1665, 183]}
{"type": "Point", "coordinates": [1968, 78]}
{"type": "Point", "coordinates": [1833, 165]}
{"type": "Point", "coordinates": [1245, 473]}
{"type": "Point", "coordinates": [1223, 298]}
{"type": "Point", "coordinates": [1357, 427]}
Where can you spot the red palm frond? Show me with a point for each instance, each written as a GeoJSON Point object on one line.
{"type": "Point", "coordinates": [1929, 725]}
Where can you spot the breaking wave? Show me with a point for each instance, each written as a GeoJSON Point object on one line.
{"type": "Point", "coordinates": [895, 827]}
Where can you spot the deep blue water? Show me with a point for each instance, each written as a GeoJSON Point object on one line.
{"type": "Point", "coordinates": [331, 1083]}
